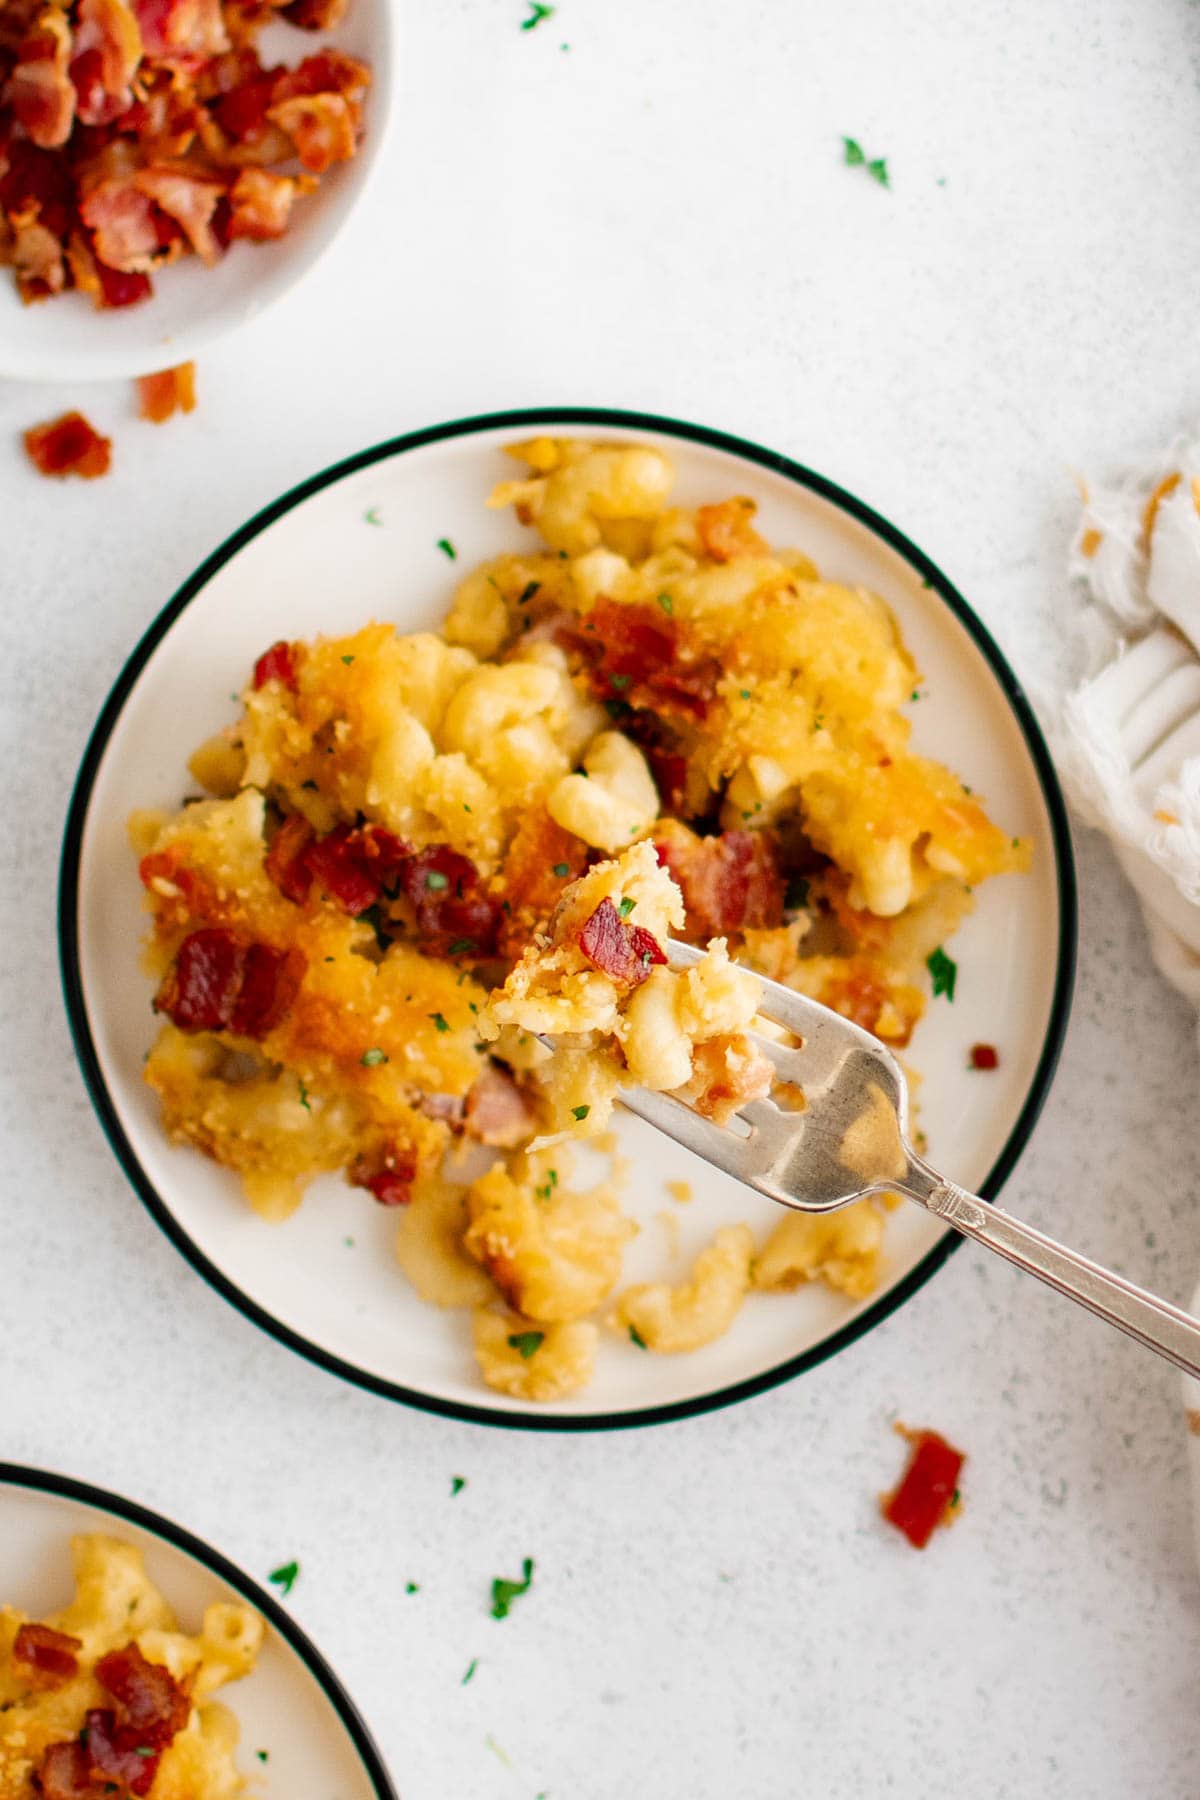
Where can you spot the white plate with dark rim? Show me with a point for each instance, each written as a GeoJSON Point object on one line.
{"type": "Point", "coordinates": [68, 339]}
{"type": "Point", "coordinates": [292, 1705]}
{"type": "Point", "coordinates": [326, 1282]}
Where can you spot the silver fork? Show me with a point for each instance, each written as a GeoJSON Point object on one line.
{"type": "Point", "coordinates": [855, 1106]}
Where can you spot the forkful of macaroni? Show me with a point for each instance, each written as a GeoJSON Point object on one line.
{"type": "Point", "coordinates": [833, 1129]}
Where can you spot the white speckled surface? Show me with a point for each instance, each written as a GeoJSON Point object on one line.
{"type": "Point", "coordinates": [657, 216]}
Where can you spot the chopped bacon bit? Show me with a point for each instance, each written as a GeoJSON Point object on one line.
{"type": "Point", "coordinates": [66, 1773]}
{"type": "Point", "coordinates": [636, 656]}
{"type": "Point", "coordinates": [322, 127]}
{"type": "Point", "coordinates": [539, 862]}
{"type": "Point", "coordinates": [729, 883]}
{"type": "Point", "coordinates": [122, 223]}
{"type": "Point", "coordinates": [727, 1073]}
{"type": "Point", "coordinates": [984, 1056]}
{"type": "Point", "coordinates": [119, 1754]}
{"type": "Point", "coordinates": [453, 914]}
{"type": "Point", "coordinates": [260, 205]}
{"type": "Point", "coordinates": [286, 861]}
{"type": "Point", "coordinates": [152, 1701]}
{"type": "Point", "coordinates": [354, 866]}
{"type": "Point", "coordinates": [625, 953]}
{"type": "Point", "coordinates": [161, 396]}
{"type": "Point", "coordinates": [280, 663]}
{"type": "Point", "coordinates": [389, 1178]}
{"type": "Point", "coordinates": [108, 49]}
{"type": "Point", "coordinates": [497, 1110]}
{"type": "Point", "coordinates": [120, 289]}
{"type": "Point", "coordinates": [69, 446]}
{"type": "Point", "coordinates": [926, 1491]}
{"type": "Point", "coordinates": [218, 981]}
{"type": "Point", "coordinates": [325, 72]}
{"type": "Point", "coordinates": [189, 198]}
{"type": "Point", "coordinates": [39, 89]}
{"type": "Point", "coordinates": [48, 1651]}
{"type": "Point", "coordinates": [725, 530]}
{"type": "Point", "coordinates": [316, 15]}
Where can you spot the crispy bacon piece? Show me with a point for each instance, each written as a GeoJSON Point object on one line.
{"type": "Point", "coordinates": [218, 981]}
{"type": "Point", "coordinates": [389, 1177]}
{"type": "Point", "coordinates": [727, 1073]}
{"type": "Point", "coordinates": [726, 530]}
{"type": "Point", "coordinates": [39, 89]}
{"type": "Point", "coordinates": [68, 446]}
{"type": "Point", "coordinates": [925, 1494]}
{"type": "Point", "coordinates": [729, 883]}
{"type": "Point", "coordinates": [125, 233]}
{"type": "Point", "coordinates": [117, 1754]}
{"type": "Point", "coordinates": [538, 863]}
{"type": "Point", "coordinates": [153, 1703]}
{"type": "Point", "coordinates": [625, 953]}
{"type": "Point", "coordinates": [353, 866]}
{"type": "Point", "coordinates": [316, 15]}
{"type": "Point", "coordinates": [497, 1110]}
{"type": "Point", "coordinates": [985, 1056]}
{"type": "Point", "coordinates": [260, 205]}
{"type": "Point", "coordinates": [181, 31]}
{"type": "Point", "coordinates": [48, 1651]}
{"type": "Point", "coordinates": [321, 126]}
{"type": "Point", "coordinates": [454, 916]}
{"type": "Point", "coordinates": [120, 289]}
{"type": "Point", "coordinates": [324, 72]}
{"type": "Point", "coordinates": [107, 51]}
{"type": "Point", "coordinates": [286, 861]}
{"type": "Point", "coordinates": [189, 198]}
{"type": "Point", "coordinates": [280, 663]}
{"type": "Point", "coordinates": [636, 655]}
{"type": "Point", "coordinates": [37, 257]}
{"type": "Point", "coordinates": [66, 1773]}
{"type": "Point", "coordinates": [161, 396]}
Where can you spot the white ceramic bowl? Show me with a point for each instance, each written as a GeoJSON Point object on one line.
{"type": "Point", "coordinates": [68, 339]}
{"type": "Point", "coordinates": [292, 1705]}
{"type": "Point", "coordinates": [312, 562]}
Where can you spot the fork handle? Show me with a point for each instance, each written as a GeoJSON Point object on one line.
{"type": "Point", "coordinates": [1167, 1329]}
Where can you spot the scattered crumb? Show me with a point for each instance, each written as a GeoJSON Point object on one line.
{"type": "Point", "coordinates": [679, 1190]}
{"type": "Point", "coordinates": [1193, 1421]}
{"type": "Point", "coordinates": [670, 1224]}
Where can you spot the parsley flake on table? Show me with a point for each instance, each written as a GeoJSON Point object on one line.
{"type": "Point", "coordinates": [537, 12]}
{"type": "Point", "coordinates": [471, 1668]}
{"type": "Point", "coordinates": [943, 971]}
{"type": "Point", "coordinates": [855, 157]}
{"type": "Point", "coordinates": [527, 1342]}
{"type": "Point", "coordinates": [371, 1059]}
{"type": "Point", "coordinates": [505, 1592]}
{"type": "Point", "coordinates": [372, 516]}
{"type": "Point", "coordinates": [284, 1577]}
{"type": "Point", "coordinates": [412, 1587]}
{"type": "Point", "coordinates": [457, 1484]}
{"type": "Point", "coordinates": [263, 1755]}
{"type": "Point", "coordinates": [447, 549]}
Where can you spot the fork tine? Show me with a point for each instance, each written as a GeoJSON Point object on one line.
{"type": "Point", "coordinates": [679, 1121]}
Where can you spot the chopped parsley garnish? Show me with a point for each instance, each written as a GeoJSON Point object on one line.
{"type": "Point", "coordinates": [943, 971]}
{"type": "Point", "coordinates": [347, 660]}
{"type": "Point", "coordinates": [620, 681]}
{"type": "Point", "coordinates": [745, 693]}
{"type": "Point", "coordinates": [439, 1021]}
{"type": "Point", "coordinates": [527, 592]}
{"type": "Point", "coordinates": [667, 604]}
{"type": "Point", "coordinates": [412, 1587]}
{"type": "Point", "coordinates": [580, 1112]}
{"type": "Point", "coordinates": [262, 1755]}
{"type": "Point", "coordinates": [505, 1592]}
{"type": "Point", "coordinates": [915, 695]}
{"type": "Point", "coordinates": [626, 906]}
{"type": "Point", "coordinates": [447, 549]}
{"type": "Point", "coordinates": [284, 1577]}
{"type": "Point", "coordinates": [562, 870]}
{"type": "Point", "coordinates": [460, 946]}
{"type": "Point", "coordinates": [304, 1096]}
{"type": "Point", "coordinates": [636, 1337]}
{"type": "Point", "coordinates": [537, 12]}
{"type": "Point", "coordinates": [471, 1668]}
{"type": "Point", "coordinates": [457, 1484]}
{"type": "Point", "coordinates": [527, 1342]}
{"type": "Point", "coordinates": [372, 516]}
{"type": "Point", "coordinates": [371, 1059]}
{"type": "Point", "coordinates": [855, 157]}
{"type": "Point", "coordinates": [436, 881]}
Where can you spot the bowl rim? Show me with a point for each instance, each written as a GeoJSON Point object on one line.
{"type": "Point", "coordinates": [128, 362]}
{"type": "Point", "coordinates": [71, 1487]}
{"type": "Point", "coordinates": [520, 419]}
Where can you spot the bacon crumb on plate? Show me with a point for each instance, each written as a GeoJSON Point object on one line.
{"type": "Point", "coordinates": [170, 391]}
{"type": "Point", "coordinates": [69, 445]}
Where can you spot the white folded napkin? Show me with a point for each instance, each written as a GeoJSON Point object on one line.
{"type": "Point", "coordinates": [1127, 739]}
